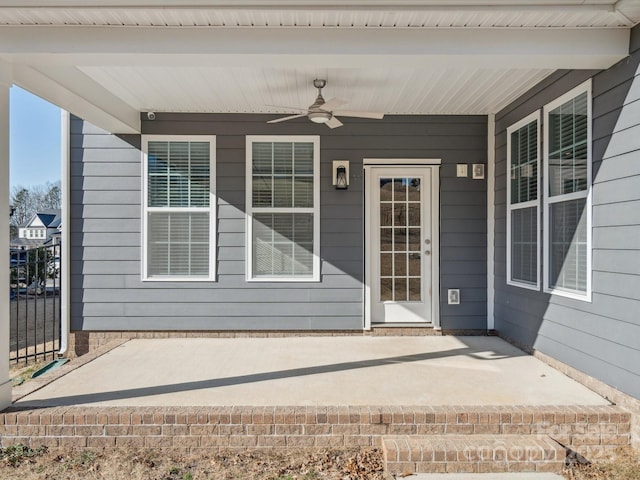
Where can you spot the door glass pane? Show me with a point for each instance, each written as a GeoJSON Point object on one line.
{"type": "Point", "coordinates": [386, 264]}
{"type": "Point", "coordinates": [414, 214]}
{"type": "Point", "coordinates": [399, 189]}
{"type": "Point", "coordinates": [385, 214]}
{"type": "Point", "coordinates": [386, 289]}
{"type": "Point", "coordinates": [386, 239]}
{"type": "Point", "coordinates": [400, 239]}
{"type": "Point", "coordinates": [415, 295]}
{"type": "Point", "coordinates": [400, 271]}
{"type": "Point", "coordinates": [414, 264]}
{"type": "Point", "coordinates": [400, 265]}
{"type": "Point", "coordinates": [400, 289]}
{"type": "Point", "coordinates": [414, 189]}
{"type": "Point", "coordinates": [399, 214]}
{"type": "Point", "coordinates": [414, 239]}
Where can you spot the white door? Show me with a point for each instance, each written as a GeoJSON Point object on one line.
{"type": "Point", "coordinates": [400, 244]}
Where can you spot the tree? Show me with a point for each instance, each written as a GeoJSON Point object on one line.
{"type": "Point", "coordinates": [22, 202]}
{"type": "Point", "coordinates": [53, 197]}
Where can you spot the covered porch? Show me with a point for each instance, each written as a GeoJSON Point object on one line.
{"type": "Point", "coordinates": [110, 66]}
{"type": "Point", "coordinates": [432, 404]}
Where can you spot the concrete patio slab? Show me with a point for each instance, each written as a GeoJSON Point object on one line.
{"type": "Point", "coordinates": [314, 371]}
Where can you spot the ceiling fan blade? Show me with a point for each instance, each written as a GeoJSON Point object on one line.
{"type": "Point", "coordinates": [290, 117]}
{"type": "Point", "coordinates": [332, 104]}
{"type": "Point", "coordinates": [334, 123]}
{"type": "Point", "coordinates": [283, 107]}
{"type": "Point", "coordinates": [356, 114]}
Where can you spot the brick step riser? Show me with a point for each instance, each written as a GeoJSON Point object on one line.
{"type": "Point", "coordinates": [480, 454]}
{"type": "Point", "coordinates": [590, 430]}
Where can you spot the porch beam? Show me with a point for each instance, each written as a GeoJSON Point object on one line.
{"type": "Point", "coordinates": [326, 47]}
{"type": "Point", "coordinates": [72, 90]}
{"type": "Point", "coordinates": [5, 382]}
{"type": "Point", "coordinates": [327, 6]}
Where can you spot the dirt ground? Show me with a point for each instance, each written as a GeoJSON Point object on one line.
{"type": "Point", "coordinates": [20, 463]}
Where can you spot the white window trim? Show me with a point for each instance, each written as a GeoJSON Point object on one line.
{"type": "Point", "coordinates": [212, 209]}
{"type": "Point", "coordinates": [548, 200]}
{"type": "Point", "coordinates": [534, 117]}
{"type": "Point", "coordinates": [249, 210]}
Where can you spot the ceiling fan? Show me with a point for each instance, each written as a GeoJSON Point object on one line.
{"type": "Point", "coordinates": [325, 112]}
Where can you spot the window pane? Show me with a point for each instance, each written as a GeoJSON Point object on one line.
{"type": "Point", "coordinates": [303, 192]}
{"type": "Point", "coordinates": [283, 158]}
{"type": "Point", "coordinates": [262, 156]}
{"type": "Point", "coordinates": [524, 164]}
{"type": "Point", "coordinates": [178, 244]}
{"type": "Point", "coordinates": [524, 242]}
{"type": "Point", "coordinates": [568, 249]}
{"type": "Point", "coordinates": [178, 174]}
{"type": "Point", "coordinates": [303, 154]}
{"type": "Point", "coordinates": [283, 244]}
{"type": "Point", "coordinates": [568, 131]}
{"type": "Point", "coordinates": [282, 174]}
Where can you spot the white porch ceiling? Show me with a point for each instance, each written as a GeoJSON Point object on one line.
{"type": "Point", "coordinates": [266, 90]}
{"type": "Point", "coordinates": [109, 60]}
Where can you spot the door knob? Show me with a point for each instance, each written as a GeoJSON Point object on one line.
{"type": "Point", "coordinates": [427, 252]}
{"type": "Point", "coordinates": [427, 241]}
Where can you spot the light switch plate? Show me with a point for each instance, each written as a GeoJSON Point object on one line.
{"type": "Point", "coordinates": [478, 171]}
{"type": "Point", "coordinates": [453, 296]}
{"type": "Point", "coordinates": [462, 170]}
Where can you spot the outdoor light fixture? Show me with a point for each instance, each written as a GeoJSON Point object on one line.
{"type": "Point", "coordinates": [319, 117]}
{"type": "Point", "coordinates": [341, 174]}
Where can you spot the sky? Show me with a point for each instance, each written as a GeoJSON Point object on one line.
{"type": "Point", "coordinates": [34, 124]}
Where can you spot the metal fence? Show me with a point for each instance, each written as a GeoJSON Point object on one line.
{"type": "Point", "coordinates": [35, 308]}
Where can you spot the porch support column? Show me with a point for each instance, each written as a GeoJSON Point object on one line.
{"type": "Point", "coordinates": [5, 382]}
{"type": "Point", "coordinates": [491, 215]}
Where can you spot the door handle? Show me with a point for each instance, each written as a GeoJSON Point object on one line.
{"type": "Point", "coordinates": [427, 252]}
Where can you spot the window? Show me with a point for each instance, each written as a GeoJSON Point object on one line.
{"type": "Point", "coordinates": [523, 213]}
{"type": "Point", "coordinates": [283, 200]}
{"type": "Point", "coordinates": [567, 189]}
{"type": "Point", "coordinates": [179, 208]}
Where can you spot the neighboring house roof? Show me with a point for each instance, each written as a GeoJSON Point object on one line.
{"type": "Point", "coordinates": [49, 218]}
{"type": "Point", "coordinates": [22, 243]}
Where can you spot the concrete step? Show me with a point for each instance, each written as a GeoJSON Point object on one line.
{"type": "Point", "coordinates": [472, 454]}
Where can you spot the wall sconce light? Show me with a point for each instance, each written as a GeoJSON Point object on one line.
{"type": "Point", "coordinates": [341, 174]}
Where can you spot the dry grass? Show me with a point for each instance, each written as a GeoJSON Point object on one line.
{"type": "Point", "coordinates": [21, 463]}
{"type": "Point", "coordinates": [24, 370]}
{"type": "Point", "coordinates": [624, 466]}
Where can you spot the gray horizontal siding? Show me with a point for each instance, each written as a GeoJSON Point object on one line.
{"type": "Point", "coordinates": [601, 337]}
{"type": "Point", "coordinates": [107, 293]}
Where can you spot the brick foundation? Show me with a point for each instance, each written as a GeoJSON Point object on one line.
{"type": "Point", "coordinates": [594, 432]}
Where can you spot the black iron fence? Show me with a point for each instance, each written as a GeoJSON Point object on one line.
{"type": "Point", "coordinates": [35, 307]}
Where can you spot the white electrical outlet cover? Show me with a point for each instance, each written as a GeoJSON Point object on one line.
{"type": "Point", "coordinates": [462, 170]}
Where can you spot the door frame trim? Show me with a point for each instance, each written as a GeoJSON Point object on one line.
{"type": "Point", "coordinates": [434, 165]}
